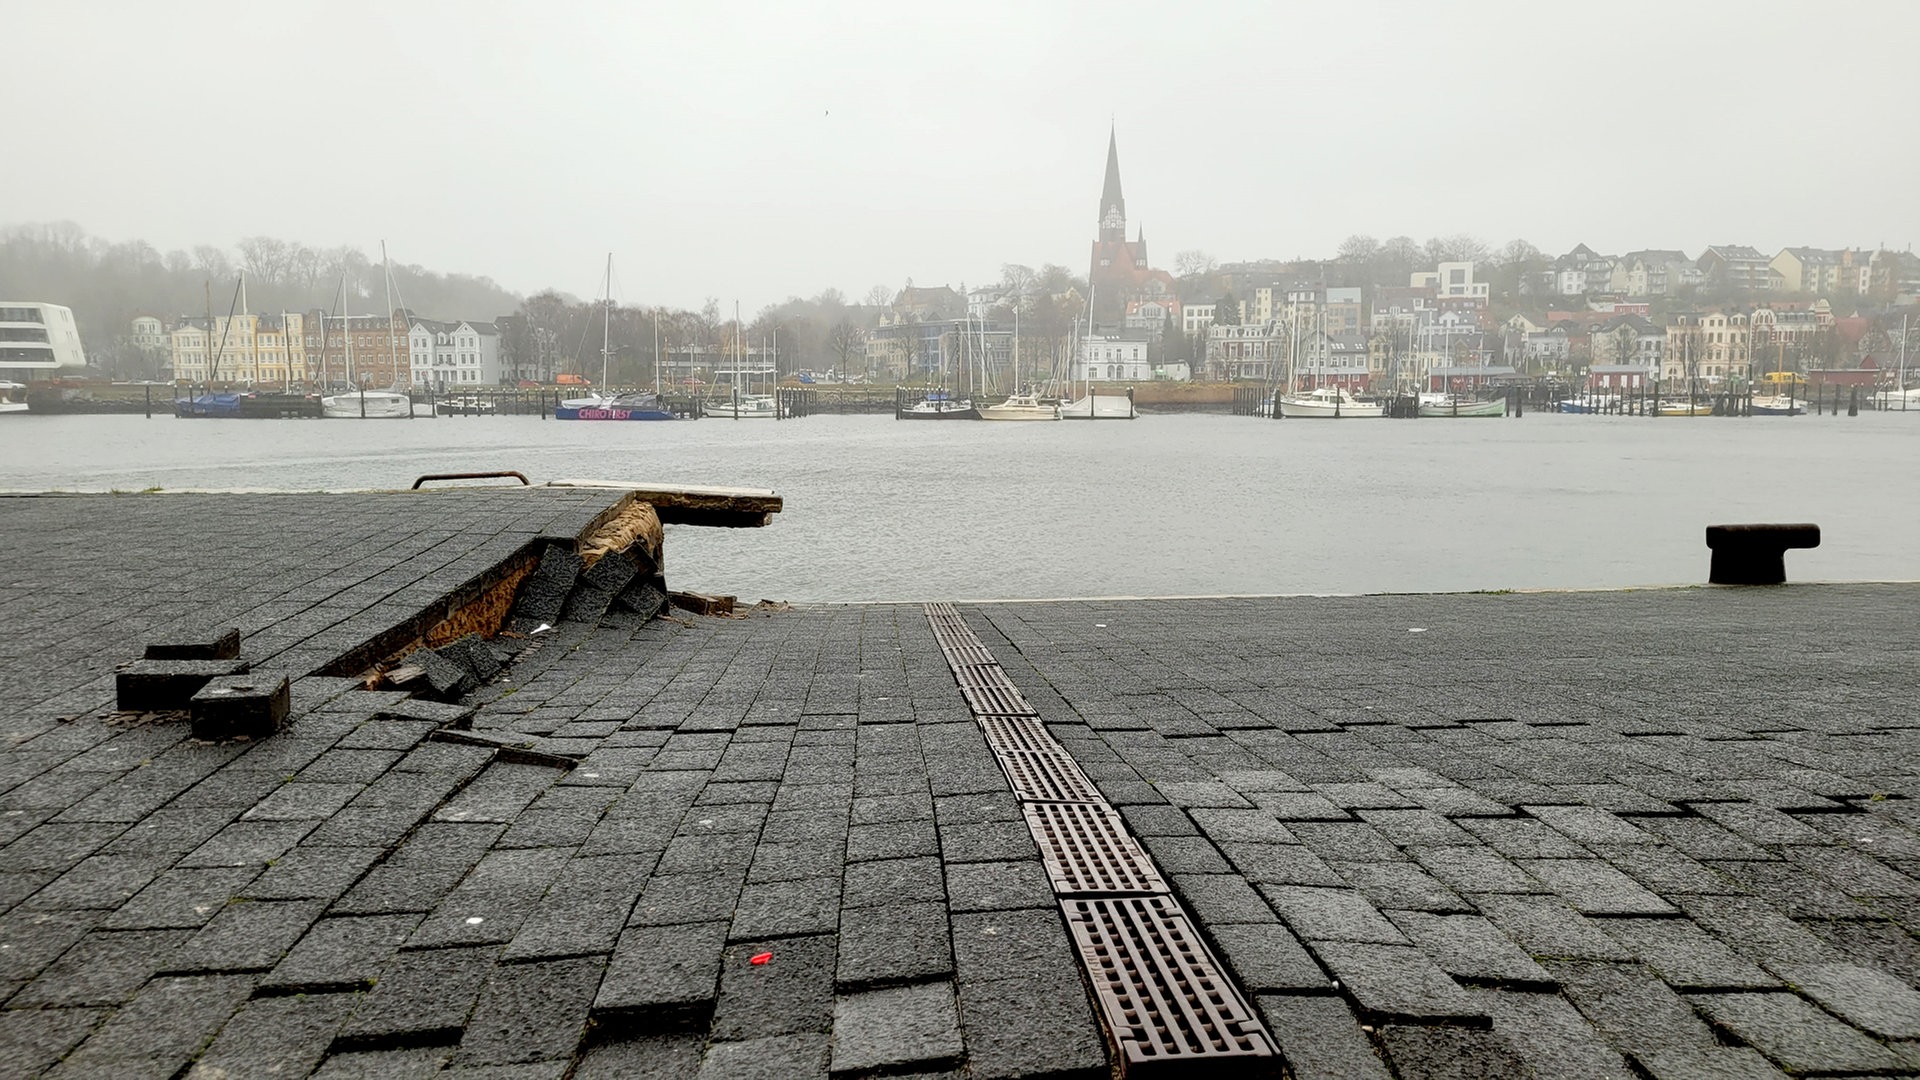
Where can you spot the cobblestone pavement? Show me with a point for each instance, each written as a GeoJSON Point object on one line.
{"type": "Point", "coordinates": [1667, 834]}
{"type": "Point", "coordinates": [1561, 836]}
{"type": "Point", "coordinates": [88, 579]}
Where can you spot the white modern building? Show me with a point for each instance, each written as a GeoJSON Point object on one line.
{"type": "Point", "coordinates": [38, 337]}
{"type": "Point", "coordinates": [450, 356]}
{"type": "Point", "coordinates": [1122, 358]}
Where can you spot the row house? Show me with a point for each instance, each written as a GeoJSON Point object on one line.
{"type": "Point", "coordinates": [451, 356]}
{"type": "Point", "coordinates": [1256, 351]}
{"type": "Point", "coordinates": [253, 349]}
{"type": "Point", "coordinates": [1327, 359]}
{"type": "Point", "coordinates": [1628, 341]}
{"type": "Point", "coordinates": [1736, 267]}
{"type": "Point", "coordinates": [358, 350]}
{"type": "Point", "coordinates": [1653, 272]}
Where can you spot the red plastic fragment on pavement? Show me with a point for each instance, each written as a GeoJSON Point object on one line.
{"type": "Point", "coordinates": [760, 958]}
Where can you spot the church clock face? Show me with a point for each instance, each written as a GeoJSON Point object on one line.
{"type": "Point", "coordinates": [1113, 219]}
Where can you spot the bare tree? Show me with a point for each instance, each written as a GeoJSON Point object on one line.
{"type": "Point", "coordinates": [1358, 249]}
{"type": "Point", "coordinates": [845, 340]}
{"type": "Point", "coordinates": [264, 258]}
{"type": "Point", "coordinates": [211, 262]}
{"type": "Point", "coordinates": [1193, 262]}
{"type": "Point", "coordinates": [879, 296]}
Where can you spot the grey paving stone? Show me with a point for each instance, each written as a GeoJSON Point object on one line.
{"type": "Point", "coordinates": [661, 978]}
{"type": "Point", "coordinates": [1552, 1037]}
{"type": "Point", "coordinates": [896, 943]}
{"type": "Point", "coordinates": [31, 1040]}
{"type": "Point", "coordinates": [156, 1033]}
{"type": "Point", "coordinates": [1871, 1000]}
{"type": "Point", "coordinates": [787, 908]}
{"type": "Point", "coordinates": [491, 902]}
{"type": "Point", "coordinates": [1331, 915]}
{"type": "Point", "coordinates": [772, 1057]}
{"type": "Point", "coordinates": [339, 954]}
{"type": "Point", "coordinates": [1450, 1053]}
{"type": "Point", "coordinates": [1726, 1063]}
{"type": "Point", "coordinates": [1544, 926]}
{"type": "Point", "coordinates": [409, 1064]}
{"type": "Point", "coordinates": [997, 946]}
{"type": "Point", "coordinates": [1036, 1025]}
{"type": "Point", "coordinates": [1635, 1011]}
{"type": "Point", "coordinates": [998, 886]}
{"type": "Point", "coordinates": [1321, 1037]}
{"type": "Point", "coordinates": [644, 1057]}
{"type": "Point", "coordinates": [1471, 949]}
{"type": "Point", "coordinates": [1265, 957]}
{"type": "Point", "coordinates": [421, 999]}
{"type": "Point", "coordinates": [789, 994]}
{"type": "Point", "coordinates": [531, 1012]}
{"type": "Point", "coordinates": [246, 935]}
{"type": "Point", "coordinates": [896, 1029]}
{"type": "Point", "coordinates": [103, 968]}
{"type": "Point", "coordinates": [583, 911]}
{"type": "Point", "coordinates": [1396, 981]}
{"type": "Point", "coordinates": [1795, 1034]}
{"type": "Point", "coordinates": [894, 881]}
{"type": "Point", "coordinates": [1595, 888]}
{"type": "Point", "coordinates": [1218, 899]}
{"type": "Point", "coordinates": [1280, 864]}
{"type": "Point", "coordinates": [1685, 956]}
{"type": "Point", "coordinates": [1589, 824]}
{"type": "Point", "coordinates": [1400, 885]}
{"type": "Point", "coordinates": [313, 873]}
{"type": "Point", "coordinates": [276, 1036]}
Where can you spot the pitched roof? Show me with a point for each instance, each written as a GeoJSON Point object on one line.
{"type": "Point", "coordinates": [1110, 195]}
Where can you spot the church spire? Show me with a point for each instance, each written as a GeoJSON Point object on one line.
{"type": "Point", "coordinates": [1113, 205]}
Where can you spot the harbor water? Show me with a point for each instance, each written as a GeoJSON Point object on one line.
{"type": "Point", "coordinates": [1167, 505]}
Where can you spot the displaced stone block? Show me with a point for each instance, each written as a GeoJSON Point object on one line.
{"type": "Point", "coordinates": [646, 598]}
{"type": "Point", "coordinates": [153, 685]}
{"type": "Point", "coordinates": [702, 604]}
{"type": "Point", "coordinates": [612, 572]}
{"type": "Point", "coordinates": [213, 643]}
{"type": "Point", "coordinates": [544, 593]}
{"type": "Point", "coordinates": [237, 706]}
{"type": "Point", "coordinates": [473, 653]}
{"type": "Point", "coordinates": [444, 679]}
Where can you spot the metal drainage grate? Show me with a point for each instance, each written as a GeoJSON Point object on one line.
{"type": "Point", "coordinates": [1019, 733]}
{"type": "Point", "coordinates": [962, 653]}
{"type": "Point", "coordinates": [983, 676]}
{"type": "Point", "coordinates": [952, 634]}
{"type": "Point", "coordinates": [939, 607]}
{"type": "Point", "coordinates": [1168, 1006]}
{"type": "Point", "coordinates": [1047, 777]}
{"type": "Point", "coordinates": [998, 701]}
{"type": "Point", "coordinates": [1087, 851]}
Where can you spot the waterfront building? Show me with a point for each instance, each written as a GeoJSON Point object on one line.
{"type": "Point", "coordinates": [1735, 267]}
{"type": "Point", "coordinates": [1256, 351]}
{"type": "Point", "coordinates": [1724, 336]}
{"type": "Point", "coordinates": [452, 355]}
{"type": "Point", "coordinates": [379, 350]}
{"type": "Point", "coordinates": [1122, 356]}
{"type": "Point", "coordinates": [149, 334]}
{"type": "Point", "coordinates": [1119, 271]}
{"type": "Point", "coordinates": [1195, 318]}
{"type": "Point", "coordinates": [1326, 359]}
{"type": "Point", "coordinates": [1628, 341]}
{"type": "Point", "coordinates": [38, 338]}
{"type": "Point", "coordinates": [1817, 270]}
{"type": "Point", "coordinates": [247, 348]}
{"type": "Point", "coordinates": [956, 350]}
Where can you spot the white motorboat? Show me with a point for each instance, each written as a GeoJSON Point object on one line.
{"type": "Point", "coordinates": [744, 407]}
{"type": "Point", "coordinates": [940, 405]}
{"type": "Point", "coordinates": [468, 405]}
{"type": "Point", "coordinates": [13, 397]}
{"type": "Point", "coordinates": [1330, 402]}
{"type": "Point", "coordinates": [1779, 405]}
{"type": "Point", "coordinates": [367, 404]}
{"type": "Point", "coordinates": [1455, 405]}
{"type": "Point", "coordinates": [1097, 406]}
{"type": "Point", "coordinates": [1020, 407]}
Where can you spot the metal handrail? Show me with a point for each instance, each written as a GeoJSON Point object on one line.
{"type": "Point", "coordinates": [522, 477]}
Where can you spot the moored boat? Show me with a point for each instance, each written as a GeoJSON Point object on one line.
{"type": "Point", "coordinates": [940, 405]}
{"type": "Point", "coordinates": [1454, 405]}
{"type": "Point", "coordinates": [1328, 402]}
{"type": "Point", "coordinates": [367, 405]}
{"type": "Point", "coordinates": [744, 407]}
{"type": "Point", "coordinates": [1777, 405]}
{"type": "Point", "coordinates": [1685, 408]}
{"type": "Point", "coordinates": [468, 405]}
{"type": "Point", "coordinates": [637, 405]}
{"type": "Point", "coordinates": [1020, 407]}
{"type": "Point", "coordinates": [12, 397]}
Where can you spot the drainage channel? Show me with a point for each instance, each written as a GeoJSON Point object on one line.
{"type": "Point", "coordinates": [1166, 1002]}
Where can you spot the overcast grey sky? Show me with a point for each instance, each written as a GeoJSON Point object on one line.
{"type": "Point", "coordinates": [755, 151]}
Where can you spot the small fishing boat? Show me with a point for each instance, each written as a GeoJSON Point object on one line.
{"type": "Point", "coordinates": [366, 404]}
{"type": "Point", "coordinates": [1329, 402]}
{"type": "Point", "coordinates": [13, 397]}
{"type": "Point", "coordinates": [1455, 405]}
{"type": "Point", "coordinates": [1685, 408]}
{"type": "Point", "coordinates": [1778, 405]}
{"type": "Point", "coordinates": [1585, 405]}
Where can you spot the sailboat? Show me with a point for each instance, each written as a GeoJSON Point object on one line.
{"type": "Point", "coordinates": [941, 404]}
{"type": "Point", "coordinates": [605, 405]}
{"type": "Point", "coordinates": [362, 404]}
{"type": "Point", "coordinates": [1449, 404]}
{"type": "Point", "coordinates": [1018, 406]}
{"type": "Point", "coordinates": [1093, 405]}
{"type": "Point", "coordinates": [744, 404]}
{"type": "Point", "coordinates": [1331, 402]}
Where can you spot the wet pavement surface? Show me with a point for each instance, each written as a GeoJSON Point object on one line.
{"type": "Point", "coordinates": [1666, 834]}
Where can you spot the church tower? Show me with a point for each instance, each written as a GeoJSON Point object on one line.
{"type": "Point", "coordinates": [1113, 205]}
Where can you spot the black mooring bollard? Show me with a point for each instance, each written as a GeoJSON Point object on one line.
{"type": "Point", "coordinates": [1755, 554]}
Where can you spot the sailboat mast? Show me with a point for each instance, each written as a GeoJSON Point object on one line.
{"type": "Point", "coordinates": [393, 346]}
{"type": "Point", "coordinates": [346, 332]}
{"type": "Point", "coordinates": [656, 352]}
{"type": "Point", "coordinates": [606, 323]}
